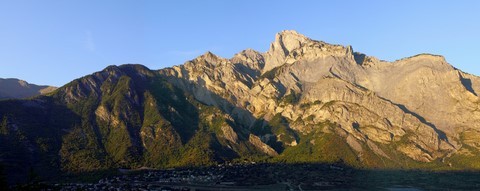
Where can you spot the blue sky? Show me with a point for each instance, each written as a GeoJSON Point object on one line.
{"type": "Point", "coordinates": [54, 42]}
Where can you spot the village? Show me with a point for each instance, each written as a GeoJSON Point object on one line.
{"type": "Point", "coordinates": [246, 176]}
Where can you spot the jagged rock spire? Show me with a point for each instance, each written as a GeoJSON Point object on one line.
{"type": "Point", "coordinates": [285, 41]}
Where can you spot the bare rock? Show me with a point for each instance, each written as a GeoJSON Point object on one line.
{"type": "Point", "coordinates": [257, 142]}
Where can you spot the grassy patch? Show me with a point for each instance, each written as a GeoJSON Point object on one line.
{"type": "Point", "coordinates": [310, 104]}
{"type": "Point", "coordinates": [290, 99]}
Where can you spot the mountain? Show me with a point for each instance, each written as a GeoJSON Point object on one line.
{"type": "Point", "coordinates": [301, 101]}
{"type": "Point", "coordinates": [11, 88]}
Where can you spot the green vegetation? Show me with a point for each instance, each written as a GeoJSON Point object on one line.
{"type": "Point", "coordinates": [80, 153]}
{"type": "Point", "coordinates": [169, 98]}
{"type": "Point", "coordinates": [292, 98]}
{"type": "Point", "coordinates": [278, 126]}
{"type": "Point", "coordinates": [3, 126]}
{"type": "Point", "coordinates": [467, 157]}
{"type": "Point", "coordinates": [328, 104]}
{"type": "Point", "coordinates": [310, 104]}
{"type": "Point", "coordinates": [197, 152]}
{"type": "Point", "coordinates": [317, 147]}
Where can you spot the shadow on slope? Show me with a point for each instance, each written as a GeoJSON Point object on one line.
{"type": "Point", "coordinates": [467, 83]}
{"type": "Point", "coordinates": [440, 133]}
{"type": "Point", "coordinates": [244, 121]}
{"type": "Point", "coordinates": [31, 137]}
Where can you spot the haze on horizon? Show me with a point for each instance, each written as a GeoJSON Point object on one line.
{"type": "Point", "coordinates": [54, 42]}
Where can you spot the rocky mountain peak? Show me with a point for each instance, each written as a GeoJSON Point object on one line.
{"type": "Point", "coordinates": [423, 57]}
{"type": "Point", "coordinates": [136, 70]}
{"type": "Point", "coordinates": [248, 54]}
{"type": "Point", "coordinates": [209, 59]}
{"type": "Point", "coordinates": [434, 62]}
{"type": "Point", "coordinates": [285, 42]}
{"type": "Point", "coordinates": [209, 54]}
{"type": "Point", "coordinates": [290, 46]}
{"type": "Point", "coordinates": [288, 40]}
{"type": "Point", "coordinates": [93, 85]}
{"type": "Point", "coordinates": [249, 58]}
{"type": "Point", "coordinates": [134, 66]}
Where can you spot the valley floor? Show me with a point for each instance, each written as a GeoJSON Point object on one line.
{"type": "Point", "coordinates": [279, 177]}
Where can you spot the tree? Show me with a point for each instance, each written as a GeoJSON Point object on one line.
{"type": "Point", "coordinates": [3, 179]}
{"type": "Point", "coordinates": [3, 126]}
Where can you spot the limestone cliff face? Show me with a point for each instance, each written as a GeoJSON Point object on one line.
{"type": "Point", "coordinates": [424, 84]}
{"type": "Point", "coordinates": [419, 106]}
{"type": "Point", "coordinates": [284, 43]}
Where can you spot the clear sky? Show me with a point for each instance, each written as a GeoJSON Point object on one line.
{"type": "Point", "coordinates": [53, 42]}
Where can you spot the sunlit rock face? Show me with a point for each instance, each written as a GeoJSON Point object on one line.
{"type": "Point", "coordinates": [419, 106]}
